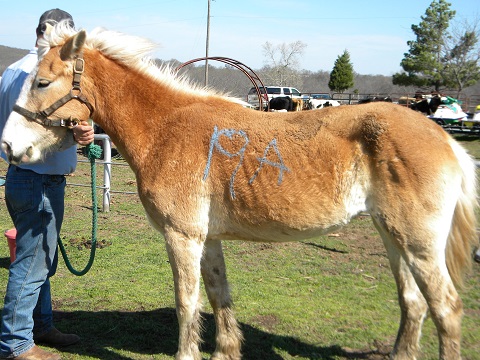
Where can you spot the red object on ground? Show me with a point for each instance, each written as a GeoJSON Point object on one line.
{"type": "Point", "coordinates": [11, 236]}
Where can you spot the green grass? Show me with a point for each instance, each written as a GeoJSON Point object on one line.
{"type": "Point", "coordinates": [332, 297]}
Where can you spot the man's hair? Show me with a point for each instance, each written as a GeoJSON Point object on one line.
{"type": "Point", "coordinates": [53, 17]}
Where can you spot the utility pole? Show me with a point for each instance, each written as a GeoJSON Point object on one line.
{"type": "Point", "coordinates": [207, 43]}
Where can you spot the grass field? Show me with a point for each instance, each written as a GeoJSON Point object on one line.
{"type": "Point", "coordinates": [331, 297]}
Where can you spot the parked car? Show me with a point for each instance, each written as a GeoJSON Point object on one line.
{"type": "Point", "coordinates": [321, 96]}
{"type": "Point", "coordinates": [272, 92]}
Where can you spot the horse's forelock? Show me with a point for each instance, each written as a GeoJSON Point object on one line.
{"type": "Point", "coordinates": [55, 36]}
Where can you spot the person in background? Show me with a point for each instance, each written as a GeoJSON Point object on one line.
{"type": "Point", "coordinates": [34, 195]}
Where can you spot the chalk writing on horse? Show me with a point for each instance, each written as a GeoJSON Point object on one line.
{"type": "Point", "coordinates": [264, 160]}
{"type": "Point", "coordinates": [229, 133]}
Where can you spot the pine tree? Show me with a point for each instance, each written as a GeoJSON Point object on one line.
{"type": "Point", "coordinates": [424, 64]}
{"type": "Point", "coordinates": [341, 77]}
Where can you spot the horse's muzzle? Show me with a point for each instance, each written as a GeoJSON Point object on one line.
{"type": "Point", "coordinates": [18, 158]}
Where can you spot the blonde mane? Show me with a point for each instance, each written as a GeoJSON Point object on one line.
{"type": "Point", "coordinates": [132, 51]}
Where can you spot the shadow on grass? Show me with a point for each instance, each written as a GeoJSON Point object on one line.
{"type": "Point", "coordinates": [467, 138]}
{"type": "Point", "coordinates": [155, 332]}
{"type": "Point", "coordinates": [106, 333]}
{"type": "Point", "coordinates": [326, 248]}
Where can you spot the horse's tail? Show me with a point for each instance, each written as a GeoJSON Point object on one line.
{"type": "Point", "coordinates": [463, 231]}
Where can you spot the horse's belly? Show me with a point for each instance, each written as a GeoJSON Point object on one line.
{"type": "Point", "coordinates": [296, 226]}
{"type": "Point", "coordinates": [287, 220]}
{"type": "Point", "coordinates": [273, 233]}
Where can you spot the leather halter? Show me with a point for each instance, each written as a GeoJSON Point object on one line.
{"type": "Point", "coordinates": [41, 117]}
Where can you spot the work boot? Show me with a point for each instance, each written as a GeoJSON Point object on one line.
{"type": "Point", "coordinates": [35, 353]}
{"type": "Point", "coordinates": [56, 339]}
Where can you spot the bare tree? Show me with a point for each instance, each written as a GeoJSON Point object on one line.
{"type": "Point", "coordinates": [462, 55]}
{"type": "Point", "coordinates": [282, 61]}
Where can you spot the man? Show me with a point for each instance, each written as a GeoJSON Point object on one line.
{"type": "Point", "coordinates": [34, 195]}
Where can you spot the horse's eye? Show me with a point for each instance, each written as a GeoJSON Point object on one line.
{"type": "Point", "coordinates": [43, 83]}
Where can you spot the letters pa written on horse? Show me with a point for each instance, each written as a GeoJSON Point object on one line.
{"type": "Point", "coordinates": [208, 169]}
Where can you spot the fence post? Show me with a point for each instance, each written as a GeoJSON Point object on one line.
{"type": "Point", "coordinates": [107, 169]}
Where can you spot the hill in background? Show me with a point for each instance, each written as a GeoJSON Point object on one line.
{"type": "Point", "coordinates": [226, 79]}
{"type": "Point", "coordinates": [9, 55]}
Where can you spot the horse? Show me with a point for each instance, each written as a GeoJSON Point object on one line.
{"type": "Point", "coordinates": [281, 103]}
{"type": "Point", "coordinates": [321, 103]}
{"type": "Point", "coordinates": [209, 170]}
{"type": "Point", "coordinates": [427, 105]}
{"type": "Point", "coordinates": [297, 104]}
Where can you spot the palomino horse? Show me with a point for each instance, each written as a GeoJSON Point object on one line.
{"type": "Point", "coordinates": [208, 169]}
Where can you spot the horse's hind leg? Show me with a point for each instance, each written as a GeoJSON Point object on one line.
{"type": "Point", "coordinates": [413, 306]}
{"type": "Point", "coordinates": [445, 305]}
{"type": "Point", "coordinates": [426, 261]}
{"type": "Point", "coordinates": [185, 254]}
{"type": "Point", "coordinates": [228, 335]}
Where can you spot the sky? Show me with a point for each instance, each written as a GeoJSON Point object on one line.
{"type": "Point", "coordinates": [374, 32]}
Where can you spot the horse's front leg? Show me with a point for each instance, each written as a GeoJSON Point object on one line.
{"type": "Point", "coordinates": [228, 335]}
{"type": "Point", "coordinates": [185, 254]}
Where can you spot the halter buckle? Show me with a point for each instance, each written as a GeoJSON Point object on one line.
{"type": "Point", "coordinates": [79, 66]}
{"type": "Point", "coordinates": [69, 123]}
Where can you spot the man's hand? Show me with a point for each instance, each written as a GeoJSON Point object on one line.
{"type": "Point", "coordinates": [83, 133]}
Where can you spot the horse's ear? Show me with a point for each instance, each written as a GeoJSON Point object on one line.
{"type": "Point", "coordinates": [73, 46]}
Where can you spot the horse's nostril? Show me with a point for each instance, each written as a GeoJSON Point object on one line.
{"type": "Point", "coordinates": [16, 158]}
{"type": "Point", "coordinates": [29, 152]}
{"type": "Point", "coordinates": [6, 148]}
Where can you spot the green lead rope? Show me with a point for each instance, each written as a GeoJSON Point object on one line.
{"type": "Point", "coordinates": [93, 152]}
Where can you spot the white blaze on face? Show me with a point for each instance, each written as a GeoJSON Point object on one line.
{"type": "Point", "coordinates": [20, 134]}
{"type": "Point", "coordinates": [18, 140]}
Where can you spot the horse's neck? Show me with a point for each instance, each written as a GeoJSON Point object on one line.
{"type": "Point", "coordinates": [129, 107]}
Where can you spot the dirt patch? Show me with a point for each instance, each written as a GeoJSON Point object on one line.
{"type": "Point", "coordinates": [83, 243]}
{"type": "Point", "coordinates": [378, 351]}
{"type": "Point", "coordinates": [266, 322]}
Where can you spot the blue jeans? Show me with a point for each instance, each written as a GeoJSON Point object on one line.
{"type": "Point", "coordinates": [36, 205]}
